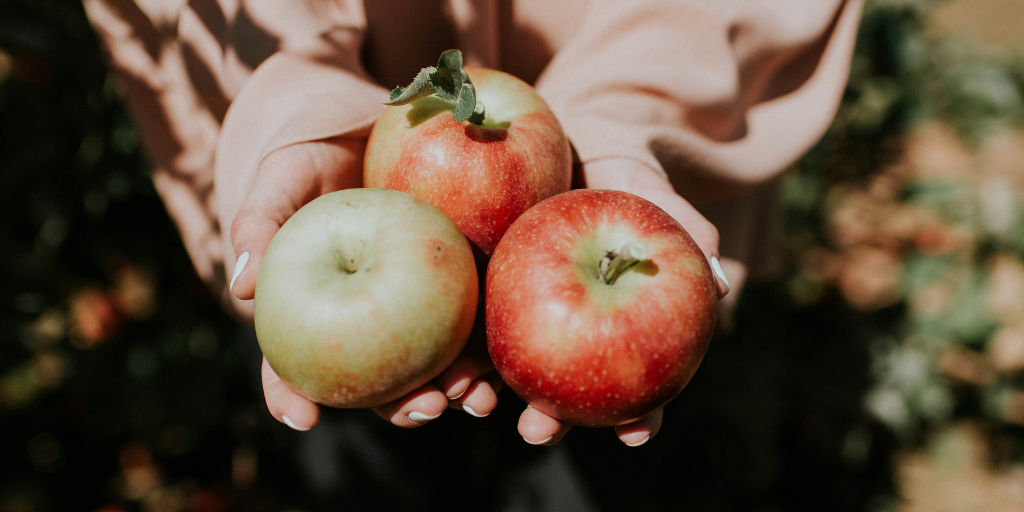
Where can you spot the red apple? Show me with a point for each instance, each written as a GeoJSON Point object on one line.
{"type": "Point", "coordinates": [599, 307]}
{"type": "Point", "coordinates": [483, 176]}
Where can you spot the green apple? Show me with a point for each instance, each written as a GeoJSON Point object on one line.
{"type": "Point", "coordinates": [363, 296]}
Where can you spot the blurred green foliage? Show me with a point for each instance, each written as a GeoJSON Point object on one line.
{"type": "Point", "coordinates": [912, 206]}
{"type": "Point", "coordinates": [108, 340]}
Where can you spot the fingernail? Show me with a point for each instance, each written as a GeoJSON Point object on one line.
{"type": "Point", "coordinates": [538, 443]}
{"type": "Point", "coordinates": [717, 267]}
{"type": "Point", "coordinates": [640, 442]}
{"type": "Point", "coordinates": [239, 267]}
{"type": "Point", "coordinates": [288, 421]}
{"type": "Point", "coordinates": [472, 412]}
{"type": "Point", "coordinates": [419, 417]}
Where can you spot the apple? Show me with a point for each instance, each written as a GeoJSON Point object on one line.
{"type": "Point", "coordinates": [363, 296]}
{"type": "Point", "coordinates": [599, 307]}
{"type": "Point", "coordinates": [483, 171]}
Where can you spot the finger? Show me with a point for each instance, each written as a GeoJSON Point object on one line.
{"type": "Point", "coordinates": [286, 180]}
{"type": "Point", "coordinates": [481, 397]}
{"type": "Point", "coordinates": [538, 428]}
{"type": "Point", "coordinates": [637, 178]}
{"type": "Point", "coordinates": [285, 405]}
{"type": "Point", "coordinates": [640, 431]}
{"type": "Point", "coordinates": [415, 409]}
{"type": "Point", "coordinates": [703, 232]}
{"type": "Point", "coordinates": [737, 273]}
{"type": "Point", "coordinates": [494, 379]}
{"type": "Point", "coordinates": [473, 362]}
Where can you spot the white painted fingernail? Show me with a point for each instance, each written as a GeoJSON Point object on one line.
{"type": "Point", "coordinates": [419, 417]}
{"type": "Point", "coordinates": [640, 442]}
{"type": "Point", "coordinates": [717, 267]}
{"type": "Point", "coordinates": [472, 412]}
{"type": "Point", "coordinates": [538, 443]}
{"type": "Point", "coordinates": [288, 421]}
{"type": "Point", "coordinates": [239, 267]}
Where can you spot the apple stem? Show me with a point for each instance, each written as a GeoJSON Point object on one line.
{"type": "Point", "coordinates": [450, 82]}
{"type": "Point", "coordinates": [614, 263]}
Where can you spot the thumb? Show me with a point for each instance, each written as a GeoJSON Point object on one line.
{"type": "Point", "coordinates": [702, 231]}
{"type": "Point", "coordinates": [286, 180]}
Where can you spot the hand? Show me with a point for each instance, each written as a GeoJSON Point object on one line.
{"type": "Point", "coordinates": [287, 179]}
{"type": "Point", "coordinates": [636, 178]}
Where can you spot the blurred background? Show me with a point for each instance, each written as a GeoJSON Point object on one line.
{"type": "Point", "coordinates": [884, 371]}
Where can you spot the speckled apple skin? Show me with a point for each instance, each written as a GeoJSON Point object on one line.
{"type": "Point", "coordinates": [363, 296]}
{"type": "Point", "coordinates": [586, 352]}
{"type": "Point", "coordinates": [483, 178]}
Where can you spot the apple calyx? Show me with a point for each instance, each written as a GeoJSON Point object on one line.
{"type": "Point", "coordinates": [449, 82]}
{"type": "Point", "coordinates": [615, 262]}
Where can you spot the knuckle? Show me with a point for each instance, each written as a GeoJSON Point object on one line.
{"type": "Point", "coordinates": [705, 234]}
{"type": "Point", "coordinates": [237, 228]}
{"type": "Point", "coordinates": [240, 226]}
{"type": "Point", "coordinates": [272, 404]}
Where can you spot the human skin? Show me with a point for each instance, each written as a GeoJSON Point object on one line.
{"type": "Point", "coordinates": [292, 176]}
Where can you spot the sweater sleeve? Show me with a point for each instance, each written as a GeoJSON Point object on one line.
{"type": "Point", "coordinates": [719, 96]}
{"type": "Point", "coordinates": [215, 89]}
{"type": "Point", "coordinates": [179, 129]}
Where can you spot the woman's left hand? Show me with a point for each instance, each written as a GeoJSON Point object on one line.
{"type": "Point", "coordinates": [639, 179]}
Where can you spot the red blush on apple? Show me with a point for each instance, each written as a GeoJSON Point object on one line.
{"type": "Point", "coordinates": [599, 307]}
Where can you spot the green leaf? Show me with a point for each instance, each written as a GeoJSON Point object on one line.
{"type": "Point", "coordinates": [467, 102]}
{"type": "Point", "coordinates": [419, 88]}
{"type": "Point", "coordinates": [452, 61]}
{"type": "Point", "coordinates": [449, 82]}
{"type": "Point", "coordinates": [450, 77]}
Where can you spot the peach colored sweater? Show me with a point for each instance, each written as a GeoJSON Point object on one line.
{"type": "Point", "coordinates": [720, 95]}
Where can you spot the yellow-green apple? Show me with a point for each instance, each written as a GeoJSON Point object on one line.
{"type": "Point", "coordinates": [479, 144]}
{"type": "Point", "coordinates": [599, 307]}
{"type": "Point", "coordinates": [363, 296]}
